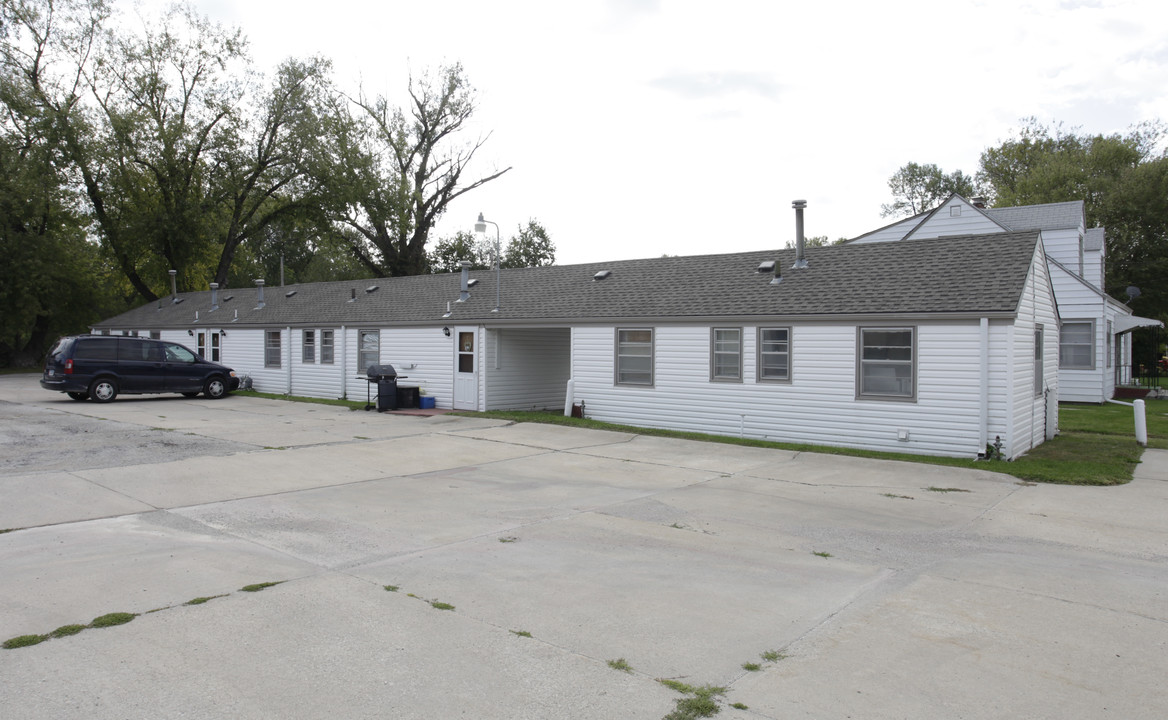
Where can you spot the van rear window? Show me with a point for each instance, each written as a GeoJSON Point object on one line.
{"type": "Point", "coordinates": [98, 348]}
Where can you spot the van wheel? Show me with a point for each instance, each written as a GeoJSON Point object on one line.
{"type": "Point", "coordinates": [103, 390]}
{"type": "Point", "coordinates": [78, 396]}
{"type": "Point", "coordinates": [215, 388]}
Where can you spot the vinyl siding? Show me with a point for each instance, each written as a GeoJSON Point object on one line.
{"type": "Point", "coordinates": [942, 223]}
{"type": "Point", "coordinates": [1030, 411]}
{"type": "Point", "coordinates": [527, 368]}
{"type": "Point", "coordinates": [819, 406]}
{"type": "Point", "coordinates": [1079, 303]}
{"type": "Point", "coordinates": [421, 356]}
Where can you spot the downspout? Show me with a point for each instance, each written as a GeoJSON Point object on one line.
{"type": "Point", "coordinates": [289, 329]}
{"type": "Point", "coordinates": [344, 365]}
{"type": "Point", "coordinates": [984, 404]}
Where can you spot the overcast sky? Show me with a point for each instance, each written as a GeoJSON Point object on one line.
{"type": "Point", "coordinates": [637, 128]}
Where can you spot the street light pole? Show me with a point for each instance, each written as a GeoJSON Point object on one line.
{"type": "Point", "coordinates": [481, 227]}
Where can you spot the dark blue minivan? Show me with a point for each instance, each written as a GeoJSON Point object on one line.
{"type": "Point", "coordinates": [100, 367]}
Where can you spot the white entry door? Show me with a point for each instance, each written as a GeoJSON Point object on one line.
{"type": "Point", "coordinates": [466, 369]}
{"type": "Point", "coordinates": [208, 345]}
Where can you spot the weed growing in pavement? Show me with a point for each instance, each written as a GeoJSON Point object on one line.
{"type": "Point", "coordinates": [773, 656]}
{"type": "Point", "coordinates": [700, 703]}
{"type": "Point", "coordinates": [751, 666]}
{"type": "Point", "coordinates": [392, 588]}
{"type": "Point", "coordinates": [933, 488]}
{"type": "Point", "coordinates": [739, 706]}
{"type": "Point", "coordinates": [899, 497]}
{"type": "Point", "coordinates": [24, 641]}
{"type": "Point", "coordinates": [112, 619]}
{"type": "Point", "coordinates": [201, 600]}
{"type": "Point", "coordinates": [508, 539]}
{"type": "Point", "coordinates": [620, 664]}
{"type": "Point", "coordinates": [259, 586]}
{"type": "Point", "coordinates": [521, 633]}
{"type": "Point", "coordinates": [438, 605]}
{"type": "Point", "coordinates": [820, 553]}
{"type": "Point", "coordinates": [66, 630]}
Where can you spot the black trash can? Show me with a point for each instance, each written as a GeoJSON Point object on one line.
{"type": "Point", "coordinates": [386, 378]}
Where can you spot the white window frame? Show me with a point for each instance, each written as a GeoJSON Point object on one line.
{"type": "Point", "coordinates": [308, 347]}
{"type": "Point", "coordinates": [863, 363]}
{"type": "Point", "coordinates": [731, 351]}
{"type": "Point", "coordinates": [364, 352]}
{"type": "Point", "coordinates": [327, 349]}
{"type": "Point", "coordinates": [273, 351]}
{"type": "Point", "coordinates": [762, 353]}
{"type": "Point", "coordinates": [621, 350]}
{"type": "Point", "coordinates": [1039, 360]}
{"type": "Point", "coordinates": [1063, 343]}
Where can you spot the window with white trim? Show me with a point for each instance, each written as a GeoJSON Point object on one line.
{"type": "Point", "coordinates": [726, 354]}
{"type": "Point", "coordinates": [774, 354]}
{"type": "Point", "coordinates": [1038, 364]}
{"type": "Point", "coordinates": [1077, 345]}
{"type": "Point", "coordinates": [368, 349]}
{"type": "Point", "coordinates": [326, 347]}
{"type": "Point", "coordinates": [308, 347]}
{"type": "Point", "coordinates": [886, 367]}
{"type": "Point", "coordinates": [634, 356]}
{"type": "Point", "coordinates": [272, 346]}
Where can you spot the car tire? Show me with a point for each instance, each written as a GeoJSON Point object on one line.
{"type": "Point", "coordinates": [194, 394]}
{"type": "Point", "coordinates": [103, 390]}
{"type": "Point", "coordinates": [215, 388]}
{"type": "Point", "coordinates": [78, 395]}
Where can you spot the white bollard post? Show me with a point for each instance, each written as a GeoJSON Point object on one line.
{"type": "Point", "coordinates": [1141, 423]}
{"type": "Point", "coordinates": [569, 397]}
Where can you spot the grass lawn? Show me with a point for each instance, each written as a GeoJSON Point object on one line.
{"type": "Point", "coordinates": [1096, 444]}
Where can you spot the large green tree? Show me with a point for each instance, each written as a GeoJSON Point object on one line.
{"type": "Point", "coordinates": [917, 188]}
{"type": "Point", "coordinates": [406, 166]}
{"type": "Point", "coordinates": [1122, 179]}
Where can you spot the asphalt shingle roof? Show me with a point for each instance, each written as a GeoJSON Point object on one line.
{"type": "Point", "coordinates": [946, 275]}
{"type": "Point", "coordinates": [1050, 216]}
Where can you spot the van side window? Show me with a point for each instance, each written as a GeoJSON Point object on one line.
{"type": "Point", "coordinates": [178, 353]}
{"type": "Point", "coordinates": [98, 348]}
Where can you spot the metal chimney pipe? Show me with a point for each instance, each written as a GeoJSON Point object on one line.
{"type": "Point", "coordinates": [800, 241]}
{"type": "Point", "coordinates": [173, 285]}
{"type": "Point", "coordinates": [214, 296]}
{"type": "Point", "coordinates": [259, 293]}
{"type": "Point", "coordinates": [464, 291]}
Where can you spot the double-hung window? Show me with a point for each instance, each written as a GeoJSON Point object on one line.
{"type": "Point", "coordinates": [1077, 345]}
{"type": "Point", "coordinates": [634, 356]}
{"type": "Point", "coordinates": [887, 363]}
{"type": "Point", "coordinates": [368, 349]}
{"type": "Point", "coordinates": [326, 347]}
{"type": "Point", "coordinates": [308, 347]}
{"type": "Point", "coordinates": [272, 348]}
{"type": "Point", "coordinates": [726, 354]}
{"type": "Point", "coordinates": [774, 354]}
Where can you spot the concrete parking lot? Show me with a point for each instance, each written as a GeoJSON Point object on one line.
{"type": "Point", "coordinates": [522, 559]}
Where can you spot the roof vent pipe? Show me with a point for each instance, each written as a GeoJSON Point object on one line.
{"type": "Point", "coordinates": [259, 294]}
{"type": "Point", "coordinates": [214, 296]}
{"type": "Point", "coordinates": [800, 241]}
{"type": "Point", "coordinates": [464, 291]}
{"type": "Point", "coordinates": [173, 285]}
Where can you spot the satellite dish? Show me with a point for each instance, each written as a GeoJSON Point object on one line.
{"type": "Point", "coordinates": [1133, 292]}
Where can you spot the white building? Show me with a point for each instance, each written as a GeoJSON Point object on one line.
{"type": "Point", "coordinates": [1095, 339]}
{"type": "Point", "coordinates": [937, 346]}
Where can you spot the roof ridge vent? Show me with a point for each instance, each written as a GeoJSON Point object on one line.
{"type": "Point", "coordinates": [290, 293]}
{"type": "Point", "coordinates": [601, 275]}
{"type": "Point", "coordinates": [372, 288]}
